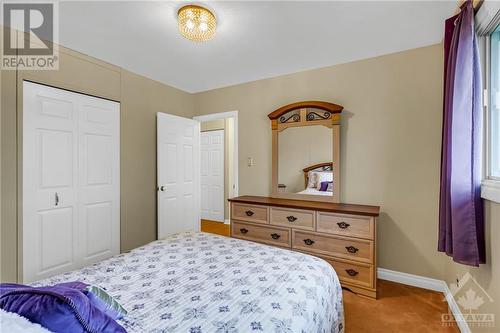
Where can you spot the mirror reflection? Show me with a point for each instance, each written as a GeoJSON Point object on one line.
{"type": "Point", "coordinates": [305, 160]}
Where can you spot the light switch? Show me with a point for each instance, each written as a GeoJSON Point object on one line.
{"type": "Point", "coordinates": [250, 161]}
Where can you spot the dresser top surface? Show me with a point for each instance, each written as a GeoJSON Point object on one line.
{"type": "Point", "coordinates": [312, 205]}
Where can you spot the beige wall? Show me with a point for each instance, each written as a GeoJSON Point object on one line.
{"type": "Point", "coordinates": [140, 99]}
{"type": "Point", "coordinates": [212, 125]}
{"type": "Point", "coordinates": [390, 142]}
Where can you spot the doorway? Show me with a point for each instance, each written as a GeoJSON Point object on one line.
{"type": "Point", "coordinates": [218, 165]}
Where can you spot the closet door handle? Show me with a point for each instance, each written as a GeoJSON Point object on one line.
{"type": "Point", "coordinates": [291, 218]}
{"type": "Point", "coordinates": [249, 213]}
{"type": "Point", "coordinates": [243, 230]}
{"type": "Point", "coordinates": [343, 225]}
{"type": "Point", "coordinates": [56, 199]}
{"type": "Point", "coordinates": [351, 249]}
{"type": "Point", "coordinates": [275, 236]}
{"type": "Point", "coordinates": [351, 272]}
{"type": "Point", "coordinates": [162, 188]}
{"type": "Point", "coordinates": [308, 241]}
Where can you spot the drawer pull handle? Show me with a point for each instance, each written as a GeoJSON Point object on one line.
{"type": "Point", "coordinates": [291, 218]}
{"type": "Point", "coordinates": [343, 225]}
{"type": "Point", "coordinates": [308, 241]}
{"type": "Point", "coordinates": [275, 236]}
{"type": "Point", "coordinates": [351, 249]}
{"type": "Point", "coordinates": [351, 272]}
{"type": "Point", "coordinates": [243, 230]}
{"type": "Point", "coordinates": [249, 213]}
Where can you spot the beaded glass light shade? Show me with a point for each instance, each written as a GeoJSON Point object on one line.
{"type": "Point", "coordinates": [196, 23]}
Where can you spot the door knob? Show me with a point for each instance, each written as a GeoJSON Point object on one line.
{"type": "Point", "coordinates": [162, 188]}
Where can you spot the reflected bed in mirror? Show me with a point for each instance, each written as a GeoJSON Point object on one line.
{"type": "Point", "coordinates": [305, 160]}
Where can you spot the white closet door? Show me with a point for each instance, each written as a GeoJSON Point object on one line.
{"type": "Point", "coordinates": [178, 150]}
{"type": "Point", "coordinates": [50, 184]}
{"type": "Point", "coordinates": [53, 157]}
{"type": "Point", "coordinates": [99, 178]}
{"type": "Point", "coordinates": [212, 175]}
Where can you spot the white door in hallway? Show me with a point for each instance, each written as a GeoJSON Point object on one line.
{"type": "Point", "coordinates": [212, 175]}
{"type": "Point", "coordinates": [178, 174]}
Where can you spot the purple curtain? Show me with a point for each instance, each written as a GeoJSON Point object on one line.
{"type": "Point", "coordinates": [461, 223]}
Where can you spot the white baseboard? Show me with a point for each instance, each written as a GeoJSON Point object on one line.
{"type": "Point", "coordinates": [426, 283]}
{"type": "Point", "coordinates": [411, 279]}
{"type": "Point", "coordinates": [455, 310]}
{"type": "Point", "coordinates": [226, 221]}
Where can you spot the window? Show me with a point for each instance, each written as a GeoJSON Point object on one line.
{"type": "Point", "coordinates": [493, 117]}
{"type": "Point", "coordinates": [490, 189]}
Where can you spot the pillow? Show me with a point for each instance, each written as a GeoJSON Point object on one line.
{"type": "Point", "coordinates": [99, 298]}
{"type": "Point", "coordinates": [105, 302]}
{"type": "Point", "coordinates": [329, 188]}
{"type": "Point", "coordinates": [311, 175]}
{"type": "Point", "coordinates": [59, 308]}
{"type": "Point", "coordinates": [324, 186]}
{"type": "Point", "coordinates": [326, 176]}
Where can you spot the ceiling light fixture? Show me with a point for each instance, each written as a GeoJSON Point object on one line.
{"type": "Point", "coordinates": [196, 23]}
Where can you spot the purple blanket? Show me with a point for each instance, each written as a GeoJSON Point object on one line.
{"type": "Point", "coordinates": [63, 307]}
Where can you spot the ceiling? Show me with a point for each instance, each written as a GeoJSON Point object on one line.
{"type": "Point", "coordinates": [254, 40]}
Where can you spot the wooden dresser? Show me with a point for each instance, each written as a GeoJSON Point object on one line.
{"type": "Point", "coordinates": [342, 234]}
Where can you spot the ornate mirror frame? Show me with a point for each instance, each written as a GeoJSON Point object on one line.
{"type": "Point", "coordinates": [306, 114]}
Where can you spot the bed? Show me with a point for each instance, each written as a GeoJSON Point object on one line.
{"type": "Point", "coordinates": [313, 191]}
{"type": "Point", "coordinates": [201, 283]}
{"type": "Point", "coordinates": [310, 182]}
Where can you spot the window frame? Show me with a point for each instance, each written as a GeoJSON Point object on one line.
{"type": "Point", "coordinates": [490, 186]}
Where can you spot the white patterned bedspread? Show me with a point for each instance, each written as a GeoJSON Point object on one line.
{"type": "Point", "coordinates": [203, 283]}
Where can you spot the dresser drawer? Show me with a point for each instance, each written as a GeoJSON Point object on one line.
{"type": "Point", "coordinates": [295, 218]}
{"type": "Point", "coordinates": [343, 247]}
{"type": "Point", "coordinates": [346, 225]}
{"type": "Point", "coordinates": [353, 272]}
{"type": "Point", "coordinates": [250, 213]}
{"type": "Point", "coordinates": [263, 234]}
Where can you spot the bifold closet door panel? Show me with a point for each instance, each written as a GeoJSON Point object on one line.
{"type": "Point", "coordinates": [70, 163]}
{"type": "Point", "coordinates": [50, 184]}
{"type": "Point", "coordinates": [99, 178]}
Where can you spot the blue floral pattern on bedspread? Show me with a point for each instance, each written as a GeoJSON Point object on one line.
{"type": "Point", "coordinates": [203, 283]}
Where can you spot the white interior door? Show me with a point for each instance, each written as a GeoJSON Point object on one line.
{"type": "Point", "coordinates": [99, 178]}
{"type": "Point", "coordinates": [50, 182]}
{"type": "Point", "coordinates": [71, 194]}
{"type": "Point", "coordinates": [212, 175]}
{"type": "Point", "coordinates": [178, 151]}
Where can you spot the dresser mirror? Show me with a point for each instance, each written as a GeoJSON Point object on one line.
{"type": "Point", "coordinates": [306, 151]}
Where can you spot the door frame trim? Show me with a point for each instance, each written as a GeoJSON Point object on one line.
{"type": "Point", "coordinates": [226, 115]}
